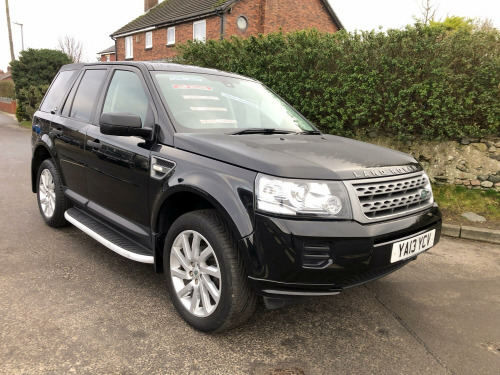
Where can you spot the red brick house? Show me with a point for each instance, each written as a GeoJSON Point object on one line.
{"type": "Point", "coordinates": [109, 54]}
{"type": "Point", "coordinates": [152, 35]}
{"type": "Point", "coordinates": [5, 76]}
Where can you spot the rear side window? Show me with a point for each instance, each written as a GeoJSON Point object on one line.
{"type": "Point", "coordinates": [86, 94]}
{"type": "Point", "coordinates": [57, 90]}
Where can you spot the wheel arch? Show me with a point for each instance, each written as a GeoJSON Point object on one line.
{"type": "Point", "coordinates": [40, 153]}
{"type": "Point", "coordinates": [181, 200]}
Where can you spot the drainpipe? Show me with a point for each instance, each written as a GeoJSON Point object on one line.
{"type": "Point", "coordinates": [116, 49]}
{"type": "Point", "coordinates": [263, 16]}
{"type": "Point", "coordinates": [222, 16]}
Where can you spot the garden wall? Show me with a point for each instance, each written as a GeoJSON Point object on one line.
{"type": "Point", "coordinates": [474, 163]}
{"type": "Point", "coordinates": [8, 105]}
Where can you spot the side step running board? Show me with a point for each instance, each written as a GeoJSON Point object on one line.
{"type": "Point", "coordinates": [107, 237]}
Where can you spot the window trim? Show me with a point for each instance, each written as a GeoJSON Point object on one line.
{"type": "Point", "coordinates": [70, 95]}
{"type": "Point", "coordinates": [204, 22]}
{"type": "Point", "coordinates": [148, 34]}
{"type": "Point", "coordinates": [129, 54]}
{"type": "Point", "coordinates": [171, 43]}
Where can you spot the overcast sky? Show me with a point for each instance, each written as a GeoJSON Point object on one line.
{"type": "Point", "coordinates": [91, 21]}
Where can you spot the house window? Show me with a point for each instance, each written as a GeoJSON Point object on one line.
{"type": "Point", "coordinates": [242, 23]}
{"type": "Point", "coordinates": [108, 58]}
{"type": "Point", "coordinates": [200, 31]}
{"type": "Point", "coordinates": [149, 39]}
{"type": "Point", "coordinates": [170, 36]}
{"type": "Point", "coordinates": [129, 47]}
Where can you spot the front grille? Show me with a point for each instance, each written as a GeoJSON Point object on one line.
{"type": "Point", "coordinates": [392, 197]}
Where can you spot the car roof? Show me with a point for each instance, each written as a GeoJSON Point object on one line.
{"type": "Point", "coordinates": [158, 66]}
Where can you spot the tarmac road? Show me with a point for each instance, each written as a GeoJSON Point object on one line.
{"type": "Point", "coordinates": [69, 305]}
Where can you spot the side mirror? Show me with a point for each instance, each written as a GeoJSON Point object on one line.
{"type": "Point", "coordinates": [124, 124]}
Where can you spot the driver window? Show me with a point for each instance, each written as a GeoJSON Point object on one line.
{"type": "Point", "coordinates": [126, 95]}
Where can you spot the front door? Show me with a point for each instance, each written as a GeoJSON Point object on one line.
{"type": "Point", "coordinates": [117, 168]}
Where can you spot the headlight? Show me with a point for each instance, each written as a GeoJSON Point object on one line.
{"type": "Point", "coordinates": [301, 198]}
{"type": "Point", "coordinates": [427, 190]}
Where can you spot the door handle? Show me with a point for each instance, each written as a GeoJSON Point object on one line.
{"type": "Point", "coordinates": [95, 145]}
{"type": "Point", "coordinates": [56, 132]}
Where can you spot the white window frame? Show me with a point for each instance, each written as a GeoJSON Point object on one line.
{"type": "Point", "coordinates": [129, 47]}
{"type": "Point", "coordinates": [149, 39]}
{"type": "Point", "coordinates": [204, 23]}
{"type": "Point", "coordinates": [171, 42]}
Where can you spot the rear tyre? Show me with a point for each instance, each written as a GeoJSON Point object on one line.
{"type": "Point", "coordinates": [205, 274]}
{"type": "Point", "coordinates": [51, 199]}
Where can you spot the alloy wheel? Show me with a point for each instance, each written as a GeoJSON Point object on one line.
{"type": "Point", "coordinates": [47, 193]}
{"type": "Point", "coordinates": [195, 273]}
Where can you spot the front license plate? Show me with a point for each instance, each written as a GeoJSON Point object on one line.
{"type": "Point", "coordinates": [412, 246]}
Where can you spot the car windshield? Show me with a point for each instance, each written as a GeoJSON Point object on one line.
{"type": "Point", "coordinates": [205, 103]}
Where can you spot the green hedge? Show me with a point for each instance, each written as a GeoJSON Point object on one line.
{"type": "Point", "coordinates": [32, 75]}
{"type": "Point", "coordinates": [417, 81]}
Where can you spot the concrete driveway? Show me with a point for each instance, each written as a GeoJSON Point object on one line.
{"type": "Point", "coordinates": [69, 305]}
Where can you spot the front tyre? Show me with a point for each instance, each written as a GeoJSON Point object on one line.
{"type": "Point", "coordinates": [51, 199]}
{"type": "Point", "coordinates": [205, 273]}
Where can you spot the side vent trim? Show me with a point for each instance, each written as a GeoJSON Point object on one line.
{"type": "Point", "coordinates": [316, 255]}
{"type": "Point", "coordinates": [160, 168]}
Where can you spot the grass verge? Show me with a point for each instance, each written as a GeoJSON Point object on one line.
{"type": "Point", "coordinates": [456, 200]}
{"type": "Point", "coordinates": [26, 124]}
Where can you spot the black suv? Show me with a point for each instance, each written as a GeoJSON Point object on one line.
{"type": "Point", "coordinates": [224, 187]}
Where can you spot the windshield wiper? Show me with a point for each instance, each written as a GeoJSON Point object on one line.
{"type": "Point", "coordinates": [261, 131]}
{"type": "Point", "coordinates": [309, 132]}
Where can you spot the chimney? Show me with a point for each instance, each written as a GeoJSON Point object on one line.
{"type": "Point", "coordinates": [148, 4]}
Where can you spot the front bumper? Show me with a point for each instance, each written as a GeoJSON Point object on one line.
{"type": "Point", "coordinates": [294, 258]}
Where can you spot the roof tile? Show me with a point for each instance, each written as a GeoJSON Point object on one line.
{"type": "Point", "coordinates": [107, 50]}
{"type": "Point", "coordinates": [170, 11]}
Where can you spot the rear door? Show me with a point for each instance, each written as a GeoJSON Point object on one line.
{"type": "Point", "coordinates": [70, 127]}
{"type": "Point", "coordinates": [49, 109]}
{"type": "Point", "coordinates": [117, 167]}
